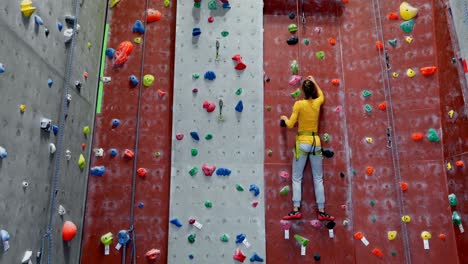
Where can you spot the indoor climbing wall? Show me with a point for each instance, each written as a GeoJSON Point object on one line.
{"type": "Point", "coordinates": [127, 202]}
{"type": "Point", "coordinates": [41, 187]}
{"type": "Point", "coordinates": [217, 190]}
{"type": "Point", "coordinates": [387, 180]}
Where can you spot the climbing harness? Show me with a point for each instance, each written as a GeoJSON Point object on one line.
{"type": "Point", "coordinates": [298, 151]}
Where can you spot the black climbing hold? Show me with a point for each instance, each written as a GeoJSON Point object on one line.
{"type": "Point", "coordinates": [342, 174]}
{"type": "Point", "coordinates": [328, 153]}
{"type": "Point", "coordinates": [70, 20]}
{"type": "Point", "coordinates": [292, 15]}
{"type": "Point", "coordinates": [46, 32]}
{"type": "Point", "coordinates": [282, 123]}
{"type": "Point", "coordinates": [78, 85]}
{"type": "Point", "coordinates": [292, 40]}
{"type": "Point", "coordinates": [316, 256]}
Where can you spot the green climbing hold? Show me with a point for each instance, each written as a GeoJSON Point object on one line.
{"type": "Point", "coordinates": [432, 135]}
{"type": "Point", "coordinates": [148, 79]}
{"type": "Point", "coordinates": [294, 67]}
{"type": "Point", "coordinates": [224, 238]}
{"type": "Point", "coordinates": [269, 108]}
{"type": "Point", "coordinates": [224, 33]}
{"type": "Point", "coordinates": [393, 252]}
{"type": "Point", "coordinates": [407, 26]}
{"type": "Point", "coordinates": [320, 55]}
{"type": "Point", "coordinates": [284, 190]}
{"type": "Point", "coordinates": [196, 75]}
{"type": "Point", "coordinates": [452, 199]}
{"type": "Point", "coordinates": [306, 41]}
{"type": "Point", "coordinates": [354, 172]}
{"type": "Point", "coordinates": [372, 202]}
{"type": "Point", "coordinates": [193, 171]}
{"type": "Point", "coordinates": [90, 45]}
{"type": "Point", "coordinates": [191, 238]}
{"type": "Point", "coordinates": [239, 188]}
{"type": "Point", "coordinates": [296, 93]}
{"type": "Point", "coordinates": [368, 108]}
{"type": "Point", "coordinates": [270, 152]}
{"type": "Point", "coordinates": [366, 93]}
{"type": "Point", "coordinates": [137, 40]}
{"type": "Point", "coordinates": [292, 28]}
{"type": "Point", "coordinates": [392, 42]}
{"type": "Point", "coordinates": [326, 137]}
{"type": "Point", "coordinates": [373, 219]}
{"type": "Point", "coordinates": [197, 4]}
{"type": "Point", "coordinates": [239, 91]}
{"type": "Point", "coordinates": [194, 152]}
{"type": "Point", "coordinates": [81, 162]}
{"type": "Point", "coordinates": [157, 154]}
{"type": "Point", "coordinates": [86, 130]}
{"type": "Point", "coordinates": [208, 136]}
{"type": "Point", "coordinates": [212, 5]}
{"type": "Point", "coordinates": [167, 3]}
{"type": "Point", "coordinates": [208, 204]}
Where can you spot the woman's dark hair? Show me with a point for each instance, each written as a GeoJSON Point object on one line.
{"type": "Point", "coordinates": [310, 90]}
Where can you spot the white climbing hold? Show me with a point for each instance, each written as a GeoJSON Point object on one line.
{"type": "Point", "coordinates": [25, 184]}
{"type": "Point", "coordinates": [3, 153]}
{"type": "Point", "coordinates": [61, 210]}
{"type": "Point", "coordinates": [27, 257]}
{"type": "Point", "coordinates": [68, 154]}
{"type": "Point", "coordinates": [52, 148]}
{"type": "Point", "coordinates": [106, 79]}
{"type": "Point", "coordinates": [98, 152]}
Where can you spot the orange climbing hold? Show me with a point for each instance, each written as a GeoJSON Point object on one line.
{"type": "Point", "coordinates": [393, 16]}
{"type": "Point", "coordinates": [332, 41]}
{"type": "Point", "coordinates": [141, 172]}
{"type": "Point", "coordinates": [335, 82]}
{"type": "Point", "coordinates": [358, 235]}
{"type": "Point", "coordinates": [153, 15]}
{"type": "Point", "coordinates": [442, 237]}
{"type": "Point", "coordinates": [377, 252]}
{"type": "Point", "coordinates": [153, 253]}
{"type": "Point", "coordinates": [383, 106]}
{"type": "Point", "coordinates": [128, 154]}
{"type": "Point", "coordinates": [83, 146]}
{"type": "Point", "coordinates": [369, 170]}
{"type": "Point", "coordinates": [379, 45]}
{"type": "Point", "coordinates": [85, 75]}
{"type": "Point", "coordinates": [68, 231]}
{"type": "Point", "coordinates": [345, 1]}
{"type": "Point", "coordinates": [417, 136]}
{"type": "Point", "coordinates": [459, 163]}
{"type": "Point", "coordinates": [404, 186]}
{"type": "Point", "coordinates": [426, 71]}
{"type": "Point", "coordinates": [122, 52]}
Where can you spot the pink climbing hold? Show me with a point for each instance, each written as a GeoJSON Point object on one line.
{"type": "Point", "coordinates": [295, 80]}
{"type": "Point", "coordinates": [285, 175]}
{"type": "Point", "coordinates": [254, 204]}
{"type": "Point", "coordinates": [161, 94]}
{"type": "Point", "coordinates": [195, 90]}
{"type": "Point", "coordinates": [209, 106]}
{"type": "Point", "coordinates": [316, 223]}
{"type": "Point", "coordinates": [338, 109]}
{"type": "Point", "coordinates": [179, 136]}
{"type": "Point", "coordinates": [208, 170]}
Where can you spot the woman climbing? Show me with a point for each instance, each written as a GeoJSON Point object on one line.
{"type": "Point", "coordinates": [308, 145]}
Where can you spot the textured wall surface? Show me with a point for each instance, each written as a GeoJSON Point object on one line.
{"type": "Point", "coordinates": [31, 58]}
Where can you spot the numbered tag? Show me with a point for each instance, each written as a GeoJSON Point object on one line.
{"type": "Point", "coordinates": [118, 246]}
{"type": "Point", "coordinates": [6, 245]}
{"type": "Point", "coordinates": [246, 243]}
{"type": "Point", "coordinates": [303, 250]}
{"type": "Point", "coordinates": [460, 226]}
{"type": "Point", "coordinates": [426, 244]}
{"type": "Point", "coordinates": [106, 250]}
{"type": "Point", "coordinates": [197, 225]}
{"type": "Point", "coordinates": [365, 241]}
{"type": "Point", "coordinates": [286, 234]}
{"type": "Point", "coordinates": [331, 234]}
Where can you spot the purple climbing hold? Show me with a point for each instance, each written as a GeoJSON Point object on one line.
{"type": "Point", "coordinates": [255, 189]}
{"type": "Point", "coordinates": [98, 170]}
{"type": "Point", "coordinates": [176, 222]}
{"type": "Point", "coordinates": [110, 53]}
{"type": "Point", "coordinates": [138, 27]}
{"type": "Point", "coordinates": [210, 75]}
{"type": "Point", "coordinates": [239, 106]}
{"type": "Point", "coordinates": [196, 32]}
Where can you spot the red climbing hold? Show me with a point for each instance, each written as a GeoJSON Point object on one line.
{"type": "Point", "coordinates": [377, 252]}
{"type": "Point", "coordinates": [379, 45]}
{"type": "Point", "coordinates": [335, 82]}
{"type": "Point", "coordinates": [442, 237]}
{"type": "Point", "coordinates": [240, 65]}
{"type": "Point", "coordinates": [153, 253]}
{"type": "Point", "coordinates": [68, 231]}
{"type": "Point", "coordinates": [209, 106]}
{"type": "Point", "coordinates": [210, 19]}
{"type": "Point", "coordinates": [141, 172]}
{"type": "Point", "coordinates": [254, 204]}
{"type": "Point", "coordinates": [369, 170]}
{"type": "Point", "coordinates": [404, 186]}
{"type": "Point", "coordinates": [417, 136]}
{"type": "Point", "coordinates": [153, 15]}
{"type": "Point", "coordinates": [128, 154]}
{"type": "Point", "coordinates": [208, 170]}
{"type": "Point", "coordinates": [122, 52]}
{"type": "Point", "coordinates": [358, 235]}
{"type": "Point", "coordinates": [195, 90]}
{"type": "Point", "coordinates": [179, 136]}
{"type": "Point", "coordinates": [83, 146]}
{"type": "Point", "coordinates": [383, 106]}
{"type": "Point", "coordinates": [345, 1]}
{"type": "Point", "coordinates": [239, 256]}
{"type": "Point", "coordinates": [161, 94]}
{"type": "Point", "coordinates": [426, 71]}
{"type": "Point", "coordinates": [332, 41]}
{"type": "Point", "coordinates": [393, 16]}
{"type": "Point", "coordinates": [459, 163]}
{"type": "Point", "coordinates": [85, 75]}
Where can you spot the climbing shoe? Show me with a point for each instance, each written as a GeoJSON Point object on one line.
{"type": "Point", "coordinates": [322, 216]}
{"type": "Point", "coordinates": [293, 215]}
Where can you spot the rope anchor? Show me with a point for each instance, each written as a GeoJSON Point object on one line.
{"type": "Point", "coordinates": [389, 138]}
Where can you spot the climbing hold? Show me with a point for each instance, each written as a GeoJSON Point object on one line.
{"type": "Point", "coordinates": [5, 237]}
{"type": "Point", "coordinates": [270, 152]}
{"type": "Point", "coordinates": [301, 240]}
{"type": "Point", "coordinates": [410, 73]}
{"type": "Point", "coordinates": [369, 140]}
{"type": "Point", "coordinates": [426, 71]}
{"type": "Point", "coordinates": [404, 186]}
{"type": "Point", "coordinates": [124, 49]}
{"type": "Point", "coordinates": [316, 256]}
{"type": "Point", "coordinates": [194, 152]}
{"type": "Point", "coordinates": [137, 40]}
{"type": "Point", "coordinates": [369, 171]}
{"type": "Point", "coordinates": [179, 136]}
{"type": "Point", "coordinates": [406, 219]}
{"type": "Point", "coordinates": [391, 235]}
{"type": "Point", "coordinates": [195, 223]}
{"type": "Point", "coordinates": [295, 80]}
{"type": "Point", "coordinates": [459, 163]}
{"type": "Point", "coordinates": [153, 254]}
{"type": "Point", "coordinates": [208, 137]}
{"type": "Point", "coordinates": [456, 219]}
{"type": "Point", "coordinates": [372, 202]}
{"type": "Point", "coordinates": [148, 79]}
{"type": "Point", "coordinates": [224, 33]}
{"type": "Point", "coordinates": [360, 236]}
{"type": "Point", "coordinates": [89, 45]}
{"type": "Point", "coordinates": [86, 130]}
{"type": "Point", "coordinates": [366, 93]}
{"type": "Point", "coordinates": [240, 65]}
{"type": "Point", "coordinates": [196, 32]}
{"type": "Point", "coordinates": [193, 171]}
{"type": "Point", "coordinates": [377, 252]}
{"type": "Point", "coordinates": [61, 210]}
{"type": "Point", "coordinates": [373, 219]}
{"type": "Point", "coordinates": [208, 170]}
{"type": "Point", "coordinates": [98, 170]}
{"type": "Point", "coordinates": [239, 107]}
{"type": "Point", "coordinates": [292, 28]}
{"type": "Point", "coordinates": [113, 3]}
{"type": "Point", "coordinates": [255, 189]}
{"type": "Point", "coordinates": [239, 255]}
{"type": "Point", "coordinates": [452, 199]}
{"type": "Point", "coordinates": [342, 175]}
{"type": "Point", "coordinates": [59, 26]}
{"type": "Point", "coordinates": [451, 113]}
{"type": "Point", "coordinates": [426, 236]}
{"type": "Point", "coordinates": [26, 8]}
{"type": "Point", "coordinates": [409, 39]}
{"type": "Point", "coordinates": [335, 82]}
{"type": "Point", "coordinates": [167, 3]}
{"type": "Point", "coordinates": [332, 41]}
{"type": "Point", "coordinates": [209, 106]}
{"type": "Point", "coordinates": [407, 11]}
{"type": "Point", "coordinates": [68, 231]}
{"type": "Point", "coordinates": [50, 82]}
{"type": "Point", "coordinates": [392, 42]}
{"type": "Point", "coordinates": [110, 53]}
{"type": "Point", "coordinates": [224, 238]}
{"type": "Point", "coordinates": [138, 27]}
{"type": "Point", "coordinates": [254, 204]}
{"type": "Point", "coordinates": [379, 45]}
{"type": "Point", "coordinates": [417, 136]}
{"type": "Point", "coordinates": [223, 172]}
{"type": "Point", "coordinates": [194, 135]}
{"type": "Point", "coordinates": [208, 204]}
{"type": "Point", "coordinates": [284, 190]}
{"type": "Point", "coordinates": [292, 40]}
{"type": "Point", "coordinates": [368, 108]}
{"type": "Point", "coordinates": [256, 257]}
{"type": "Point", "coordinates": [161, 93]}
{"type": "Point", "coordinates": [306, 41]}
{"type": "Point", "coordinates": [292, 15]}
{"type": "Point", "coordinates": [320, 55]}
{"type": "Point", "coordinates": [2, 68]}
{"type": "Point", "coordinates": [81, 162]}
{"type": "Point", "coordinates": [212, 5]}
{"type": "Point", "coordinates": [129, 154]}
{"type": "Point", "coordinates": [395, 74]}
{"type": "Point", "coordinates": [315, 223]}
{"type": "Point", "coordinates": [38, 20]}
{"type": "Point", "coordinates": [210, 19]}
{"type": "Point", "coordinates": [285, 175]}
{"type": "Point", "coordinates": [175, 222]}
{"type": "Point", "coordinates": [191, 238]}
{"type": "Point", "coordinates": [383, 106]}
{"type": "Point", "coordinates": [239, 188]}
{"type": "Point", "coordinates": [113, 152]}
{"type": "Point", "coordinates": [442, 237]}
{"type": "Point", "coordinates": [296, 93]}
{"type": "Point", "coordinates": [133, 80]}
{"type": "Point", "coordinates": [407, 26]}
{"type": "Point", "coordinates": [153, 15]}
{"type": "Point", "coordinates": [142, 172]}
{"type": "Point", "coordinates": [197, 3]}
{"type": "Point", "coordinates": [210, 75]}
{"type": "Point", "coordinates": [115, 122]}
{"type": "Point", "coordinates": [238, 91]}
{"type": "Point", "coordinates": [22, 108]}
{"type": "Point", "coordinates": [294, 67]}
{"type": "Point", "coordinates": [393, 16]}
{"type": "Point", "coordinates": [432, 135]}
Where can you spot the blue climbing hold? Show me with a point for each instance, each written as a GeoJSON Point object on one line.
{"type": "Point", "coordinates": [124, 237]}
{"type": "Point", "coordinates": [210, 75]}
{"type": "Point", "coordinates": [195, 135]}
{"type": "Point", "coordinates": [141, 204]}
{"type": "Point", "coordinates": [256, 257]}
{"type": "Point", "coordinates": [191, 256]}
{"type": "Point", "coordinates": [2, 68]}
{"type": "Point", "coordinates": [113, 152]}
{"type": "Point", "coordinates": [59, 26]}
{"type": "Point", "coordinates": [176, 222]}
{"type": "Point", "coordinates": [196, 32]}
{"type": "Point", "coordinates": [3, 153]}
{"type": "Point", "coordinates": [38, 20]}
{"type": "Point", "coordinates": [240, 238]}
{"type": "Point", "coordinates": [223, 172]}
{"type": "Point", "coordinates": [55, 129]}
{"type": "Point", "coordinates": [110, 53]}
{"type": "Point", "coordinates": [226, 5]}
{"type": "Point", "coordinates": [50, 82]}
{"type": "Point", "coordinates": [98, 170]}
{"type": "Point", "coordinates": [115, 122]}
{"type": "Point", "coordinates": [239, 106]}
{"type": "Point", "coordinates": [133, 80]}
{"type": "Point", "coordinates": [254, 188]}
{"type": "Point", "coordinates": [138, 27]}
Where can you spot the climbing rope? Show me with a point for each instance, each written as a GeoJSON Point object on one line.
{"type": "Point", "coordinates": [385, 67]}
{"type": "Point", "coordinates": [58, 153]}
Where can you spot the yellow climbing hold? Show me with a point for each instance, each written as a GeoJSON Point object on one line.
{"type": "Point", "coordinates": [425, 235]}
{"type": "Point", "coordinates": [451, 113]}
{"type": "Point", "coordinates": [22, 108]}
{"type": "Point", "coordinates": [391, 235]}
{"type": "Point", "coordinates": [369, 140]}
{"type": "Point", "coordinates": [90, 45]}
{"type": "Point", "coordinates": [449, 166]}
{"type": "Point", "coordinates": [81, 162]}
{"type": "Point", "coordinates": [410, 73]}
{"type": "Point", "coordinates": [137, 40]}
{"type": "Point", "coordinates": [407, 11]}
{"type": "Point", "coordinates": [406, 218]}
{"type": "Point", "coordinates": [148, 79]}
{"type": "Point", "coordinates": [113, 3]}
{"type": "Point", "coordinates": [26, 8]}
{"type": "Point", "coordinates": [395, 74]}
{"type": "Point", "coordinates": [409, 39]}
{"type": "Point", "coordinates": [167, 3]}
{"type": "Point", "coordinates": [86, 130]}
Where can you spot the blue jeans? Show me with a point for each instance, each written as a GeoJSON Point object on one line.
{"type": "Point", "coordinates": [317, 175]}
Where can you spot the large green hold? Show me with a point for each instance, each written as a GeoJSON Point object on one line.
{"type": "Point", "coordinates": [407, 26]}
{"type": "Point", "coordinates": [320, 55]}
{"type": "Point", "coordinates": [296, 93]}
{"type": "Point", "coordinates": [292, 28]}
{"type": "Point", "coordinates": [212, 5]}
{"type": "Point", "coordinates": [432, 135]}
{"type": "Point", "coordinates": [284, 190]}
{"type": "Point", "coordinates": [81, 162]}
{"type": "Point", "coordinates": [148, 79]}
